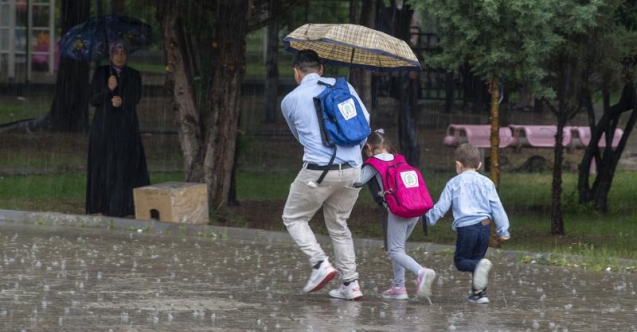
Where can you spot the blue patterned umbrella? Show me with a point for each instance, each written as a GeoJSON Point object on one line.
{"type": "Point", "coordinates": [89, 41]}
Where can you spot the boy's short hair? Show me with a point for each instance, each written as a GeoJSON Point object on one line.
{"type": "Point", "coordinates": [468, 155]}
{"type": "Point", "coordinates": [307, 60]}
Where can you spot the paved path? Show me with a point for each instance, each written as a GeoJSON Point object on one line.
{"type": "Point", "coordinates": [126, 275]}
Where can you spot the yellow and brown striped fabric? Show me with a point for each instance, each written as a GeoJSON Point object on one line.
{"type": "Point", "coordinates": [353, 45]}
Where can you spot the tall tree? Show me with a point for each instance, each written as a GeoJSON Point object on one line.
{"type": "Point", "coordinates": [570, 70]}
{"type": "Point", "coordinates": [612, 57]}
{"type": "Point", "coordinates": [396, 21]}
{"type": "Point", "coordinates": [364, 81]}
{"type": "Point", "coordinates": [271, 88]}
{"type": "Point", "coordinates": [568, 78]}
{"type": "Point", "coordinates": [208, 128]}
{"type": "Point", "coordinates": [513, 39]}
{"type": "Point", "coordinates": [496, 40]}
{"type": "Point", "coordinates": [69, 110]}
{"type": "Point", "coordinates": [205, 53]}
{"type": "Point", "coordinates": [361, 79]}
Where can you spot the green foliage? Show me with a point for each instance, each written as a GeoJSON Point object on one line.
{"type": "Point", "coordinates": [504, 38]}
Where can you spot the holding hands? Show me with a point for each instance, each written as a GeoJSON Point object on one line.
{"type": "Point", "coordinates": [116, 101]}
{"type": "Point", "coordinates": [112, 82]}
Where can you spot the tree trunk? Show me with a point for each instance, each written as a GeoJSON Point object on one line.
{"type": "Point", "coordinates": [118, 7]}
{"type": "Point", "coordinates": [494, 160]}
{"type": "Point", "coordinates": [221, 125]}
{"type": "Point", "coordinates": [69, 111]}
{"type": "Point", "coordinates": [361, 79]}
{"type": "Point", "coordinates": [557, 219]}
{"type": "Point", "coordinates": [494, 166]}
{"type": "Point", "coordinates": [590, 152]}
{"type": "Point", "coordinates": [449, 92]}
{"type": "Point", "coordinates": [407, 128]}
{"type": "Point", "coordinates": [570, 80]}
{"type": "Point", "coordinates": [178, 83]}
{"type": "Point", "coordinates": [271, 89]}
{"type": "Point", "coordinates": [407, 120]}
{"type": "Point", "coordinates": [606, 161]}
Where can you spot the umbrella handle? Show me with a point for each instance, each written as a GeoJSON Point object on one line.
{"type": "Point", "coordinates": [351, 60]}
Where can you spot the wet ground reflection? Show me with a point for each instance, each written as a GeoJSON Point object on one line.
{"type": "Point", "coordinates": [88, 279]}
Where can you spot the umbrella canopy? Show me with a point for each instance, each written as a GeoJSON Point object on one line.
{"type": "Point", "coordinates": [89, 41]}
{"type": "Point", "coordinates": [353, 45]}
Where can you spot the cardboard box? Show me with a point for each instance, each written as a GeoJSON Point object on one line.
{"type": "Point", "coordinates": [181, 202]}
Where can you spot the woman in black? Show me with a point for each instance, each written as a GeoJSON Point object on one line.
{"type": "Point", "coordinates": [116, 159]}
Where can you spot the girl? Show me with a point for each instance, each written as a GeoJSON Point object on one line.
{"type": "Point", "coordinates": [398, 229]}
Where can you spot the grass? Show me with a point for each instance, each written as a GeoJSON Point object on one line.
{"type": "Point", "coordinates": [602, 240]}
{"type": "Point", "coordinates": [14, 109]}
{"type": "Point", "coordinates": [45, 172]}
{"type": "Point", "coordinates": [148, 67]}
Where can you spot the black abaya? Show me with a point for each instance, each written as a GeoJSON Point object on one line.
{"type": "Point", "coordinates": [116, 159]}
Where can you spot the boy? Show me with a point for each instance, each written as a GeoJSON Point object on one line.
{"type": "Point", "coordinates": [475, 203]}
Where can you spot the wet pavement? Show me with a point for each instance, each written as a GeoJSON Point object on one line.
{"type": "Point", "coordinates": [123, 275]}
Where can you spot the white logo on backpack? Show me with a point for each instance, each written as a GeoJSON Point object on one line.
{"type": "Point", "coordinates": [347, 108]}
{"type": "Point", "coordinates": [410, 179]}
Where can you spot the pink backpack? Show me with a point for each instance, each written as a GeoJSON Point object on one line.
{"type": "Point", "coordinates": [405, 191]}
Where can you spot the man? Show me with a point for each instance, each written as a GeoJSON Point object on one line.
{"type": "Point", "coordinates": [335, 194]}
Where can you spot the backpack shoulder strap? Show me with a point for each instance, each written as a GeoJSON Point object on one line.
{"type": "Point", "coordinates": [322, 82]}
{"type": "Point", "coordinates": [380, 165]}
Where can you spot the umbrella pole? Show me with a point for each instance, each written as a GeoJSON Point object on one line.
{"type": "Point", "coordinates": [351, 60]}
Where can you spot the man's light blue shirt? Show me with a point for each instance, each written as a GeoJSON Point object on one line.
{"type": "Point", "coordinates": [300, 114]}
{"type": "Point", "coordinates": [472, 198]}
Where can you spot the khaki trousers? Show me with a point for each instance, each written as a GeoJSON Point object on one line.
{"type": "Point", "coordinates": [336, 195]}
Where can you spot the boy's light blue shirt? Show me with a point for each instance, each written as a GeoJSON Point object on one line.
{"type": "Point", "coordinates": [472, 198]}
{"type": "Point", "coordinates": [299, 112]}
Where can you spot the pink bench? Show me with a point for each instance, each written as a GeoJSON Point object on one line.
{"type": "Point", "coordinates": [537, 136]}
{"type": "Point", "coordinates": [478, 135]}
{"type": "Point", "coordinates": [519, 136]}
{"type": "Point", "coordinates": [582, 137]}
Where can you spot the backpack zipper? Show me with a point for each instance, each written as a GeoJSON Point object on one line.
{"type": "Point", "coordinates": [392, 191]}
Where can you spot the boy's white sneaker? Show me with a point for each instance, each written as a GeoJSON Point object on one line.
{"type": "Point", "coordinates": [352, 291]}
{"type": "Point", "coordinates": [481, 275]}
{"type": "Point", "coordinates": [424, 281]}
{"type": "Point", "coordinates": [479, 298]}
{"type": "Point", "coordinates": [320, 277]}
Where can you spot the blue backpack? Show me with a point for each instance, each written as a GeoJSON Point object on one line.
{"type": "Point", "coordinates": [341, 118]}
{"type": "Point", "coordinates": [340, 115]}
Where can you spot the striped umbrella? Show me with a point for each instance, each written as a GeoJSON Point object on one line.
{"type": "Point", "coordinates": [354, 46]}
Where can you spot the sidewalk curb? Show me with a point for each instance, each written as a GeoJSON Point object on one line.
{"type": "Point", "coordinates": [14, 217]}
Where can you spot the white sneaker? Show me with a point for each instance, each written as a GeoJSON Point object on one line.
{"type": "Point", "coordinates": [320, 277]}
{"type": "Point", "coordinates": [481, 275]}
{"type": "Point", "coordinates": [349, 292]}
{"type": "Point", "coordinates": [479, 298]}
{"type": "Point", "coordinates": [424, 281]}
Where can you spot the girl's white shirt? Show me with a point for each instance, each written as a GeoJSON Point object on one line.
{"type": "Point", "coordinates": [368, 171]}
